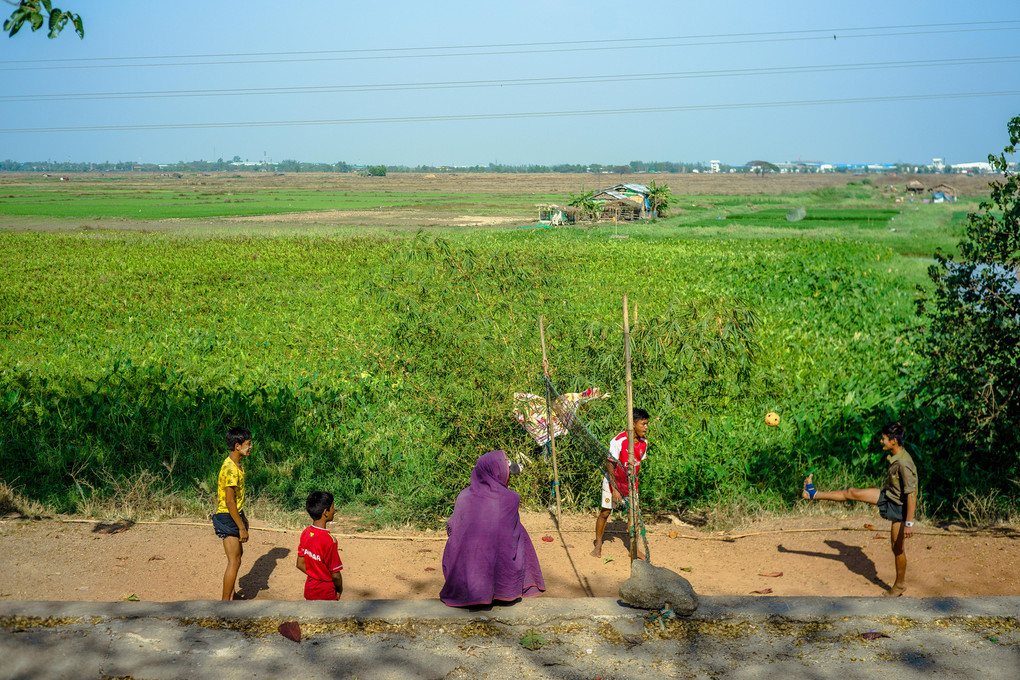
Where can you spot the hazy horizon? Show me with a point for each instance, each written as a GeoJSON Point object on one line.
{"type": "Point", "coordinates": [546, 83]}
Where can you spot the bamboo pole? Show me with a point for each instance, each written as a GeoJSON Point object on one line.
{"type": "Point", "coordinates": [631, 510]}
{"type": "Point", "coordinates": [549, 422]}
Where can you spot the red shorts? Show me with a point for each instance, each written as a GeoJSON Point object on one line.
{"type": "Point", "coordinates": [319, 590]}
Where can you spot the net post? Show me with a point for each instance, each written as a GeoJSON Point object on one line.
{"type": "Point", "coordinates": [548, 420]}
{"type": "Point", "coordinates": [631, 509]}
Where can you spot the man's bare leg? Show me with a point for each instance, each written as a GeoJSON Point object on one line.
{"type": "Point", "coordinates": [900, 555]}
{"type": "Point", "coordinates": [863, 495]}
{"type": "Point", "coordinates": [600, 528]}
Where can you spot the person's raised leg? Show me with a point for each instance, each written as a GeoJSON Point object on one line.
{"type": "Point", "coordinates": [600, 529]}
{"type": "Point", "coordinates": [232, 547]}
{"type": "Point", "coordinates": [900, 555]}
{"type": "Point", "coordinates": [869, 495]}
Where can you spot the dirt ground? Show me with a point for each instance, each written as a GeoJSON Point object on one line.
{"type": "Point", "coordinates": [682, 184]}
{"type": "Point", "coordinates": [816, 555]}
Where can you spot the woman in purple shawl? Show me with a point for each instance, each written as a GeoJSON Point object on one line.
{"type": "Point", "coordinates": [488, 555]}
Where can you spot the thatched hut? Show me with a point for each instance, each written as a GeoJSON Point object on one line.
{"type": "Point", "coordinates": [621, 210]}
{"type": "Point", "coordinates": [559, 214]}
{"type": "Point", "coordinates": [942, 192]}
{"type": "Point", "coordinates": [915, 187]}
{"type": "Point", "coordinates": [623, 199]}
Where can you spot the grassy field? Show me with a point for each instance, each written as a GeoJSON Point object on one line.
{"type": "Point", "coordinates": [367, 359]}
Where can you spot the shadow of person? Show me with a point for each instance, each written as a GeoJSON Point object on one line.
{"type": "Point", "coordinates": [582, 581]}
{"type": "Point", "coordinates": [257, 578]}
{"type": "Point", "coordinates": [851, 555]}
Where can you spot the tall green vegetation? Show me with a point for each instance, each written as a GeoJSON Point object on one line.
{"type": "Point", "coordinates": [585, 201]}
{"type": "Point", "coordinates": [971, 386]}
{"type": "Point", "coordinates": [660, 197]}
{"type": "Point", "coordinates": [380, 368]}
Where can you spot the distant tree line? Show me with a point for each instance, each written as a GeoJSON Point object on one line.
{"type": "Point", "coordinates": [236, 164]}
{"type": "Point", "coordinates": [290, 165]}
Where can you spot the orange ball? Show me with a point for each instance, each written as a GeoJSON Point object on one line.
{"type": "Point", "coordinates": [771, 418]}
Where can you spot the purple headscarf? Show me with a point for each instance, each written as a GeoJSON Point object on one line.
{"type": "Point", "coordinates": [488, 555]}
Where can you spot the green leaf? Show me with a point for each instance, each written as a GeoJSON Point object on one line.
{"type": "Point", "coordinates": [532, 641]}
{"type": "Point", "coordinates": [131, 598]}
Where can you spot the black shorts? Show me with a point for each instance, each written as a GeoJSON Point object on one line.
{"type": "Point", "coordinates": [224, 525]}
{"type": "Point", "coordinates": [889, 510]}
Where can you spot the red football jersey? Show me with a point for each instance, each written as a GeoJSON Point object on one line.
{"type": "Point", "coordinates": [322, 560]}
{"type": "Point", "coordinates": [618, 450]}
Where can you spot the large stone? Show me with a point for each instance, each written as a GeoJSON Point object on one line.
{"type": "Point", "coordinates": [654, 587]}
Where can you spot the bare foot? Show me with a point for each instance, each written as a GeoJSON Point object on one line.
{"type": "Point", "coordinates": [804, 492]}
{"type": "Point", "coordinates": [597, 552]}
{"type": "Point", "coordinates": [895, 591]}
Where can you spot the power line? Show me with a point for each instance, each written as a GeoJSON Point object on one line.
{"type": "Point", "coordinates": [826, 31]}
{"type": "Point", "coordinates": [518, 82]}
{"type": "Point", "coordinates": [507, 116]}
{"type": "Point", "coordinates": [500, 52]}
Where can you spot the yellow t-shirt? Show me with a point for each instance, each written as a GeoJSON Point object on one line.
{"type": "Point", "coordinates": [231, 474]}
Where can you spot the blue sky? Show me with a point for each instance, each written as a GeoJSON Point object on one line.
{"type": "Point", "coordinates": [719, 110]}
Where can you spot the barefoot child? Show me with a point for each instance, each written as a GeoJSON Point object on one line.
{"type": "Point", "coordinates": [229, 521]}
{"type": "Point", "coordinates": [318, 557]}
{"type": "Point", "coordinates": [615, 486]}
{"type": "Point", "coordinates": [896, 500]}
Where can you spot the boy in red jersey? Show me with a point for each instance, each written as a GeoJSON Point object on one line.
{"type": "Point", "coordinates": [318, 558]}
{"type": "Point", "coordinates": [614, 482]}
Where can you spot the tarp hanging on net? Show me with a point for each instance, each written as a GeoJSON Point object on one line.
{"type": "Point", "coordinates": [531, 411]}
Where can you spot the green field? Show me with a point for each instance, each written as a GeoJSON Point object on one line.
{"type": "Point", "coordinates": [158, 204]}
{"type": "Point", "coordinates": [379, 367]}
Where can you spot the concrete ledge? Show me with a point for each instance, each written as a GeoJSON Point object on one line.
{"type": "Point", "coordinates": [533, 611]}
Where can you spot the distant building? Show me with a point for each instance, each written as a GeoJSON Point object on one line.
{"type": "Point", "coordinates": [978, 168]}
{"type": "Point", "coordinates": [938, 164]}
{"type": "Point", "coordinates": [941, 193]}
{"type": "Point", "coordinates": [714, 166]}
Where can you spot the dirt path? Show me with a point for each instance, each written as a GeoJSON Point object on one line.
{"type": "Point", "coordinates": [53, 560]}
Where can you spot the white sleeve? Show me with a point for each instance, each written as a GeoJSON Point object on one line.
{"type": "Point", "coordinates": [615, 447]}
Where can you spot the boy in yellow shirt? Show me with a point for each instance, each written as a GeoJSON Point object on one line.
{"type": "Point", "coordinates": [229, 521]}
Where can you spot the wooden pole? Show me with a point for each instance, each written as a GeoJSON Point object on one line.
{"type": "Point", "coordinates": [549, 422]}
{"type": "Point", "coordinates": [631, 511]}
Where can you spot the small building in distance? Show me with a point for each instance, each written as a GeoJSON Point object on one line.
{"type": "Point", "coordinates": [915, 187]}
{"type": "Point", "coordinates": [941, 193]}
{"type": "Point", "coordinates": [623, 202]}
{"type": "Point", "coordinates": [557, 215]}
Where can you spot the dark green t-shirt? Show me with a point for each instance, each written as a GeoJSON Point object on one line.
{"type": "Point", "coordinates": [901, 478]}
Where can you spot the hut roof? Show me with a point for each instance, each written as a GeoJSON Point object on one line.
{"type": "Point", "coordinates": [609, 194]}
{"type": "Point", "coordinates": [636, 188]}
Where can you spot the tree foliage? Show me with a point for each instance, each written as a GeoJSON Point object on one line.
{"type": "Point", "coordinates": [659, 199]}
{"type": "Point", "coordinates": [37, 13]}
{"type": "Point", "coordinates": [590, 208]}
{"type": "Point", "coordinates": [972, 341]}
{"type": "Point", "coordinates": [761, 167]}
{"type": "Point", "coordinates": [377, 171]}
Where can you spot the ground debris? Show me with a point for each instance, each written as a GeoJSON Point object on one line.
{"type": "Point", "coordinates": [19, 624]}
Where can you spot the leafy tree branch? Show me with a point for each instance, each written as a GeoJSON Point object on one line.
{"type": "Point", "coordinates": [39, 13]}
